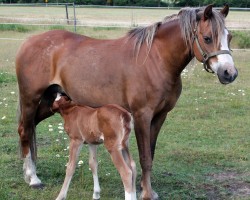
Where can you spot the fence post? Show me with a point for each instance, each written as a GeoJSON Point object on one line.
{"type": "Point", "coordinates": [74, 16]}
{"type": "Point", "coordinates": [67, 15]}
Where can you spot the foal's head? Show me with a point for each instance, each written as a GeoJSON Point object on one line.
{"type": "Point", "coordinates": [211, 43]}
{"type": "Point", "coordinates": [61, 102]}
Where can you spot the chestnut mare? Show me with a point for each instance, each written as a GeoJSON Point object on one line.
{"type": "Point", "coordinates": [109, 124]}
{"type": "Point", "coordinates": [140, 72]}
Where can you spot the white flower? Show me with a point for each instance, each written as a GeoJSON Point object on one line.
{"type": "Point", "coordinates": [60, 131]}
{"type": "Point", "coordinates": [50, 126]}
{"type": "Point", "coordinates": [4, 117]}
{"type": "Point", "coordinates": [12, 92]}
{"type": "Point", "coordinates": [57, 140]}
{"type": "Point", "coordinates": [65, 138]}
{"type": "Point", "coordinates": [60, 127]}
{"type": "Point", "coordinates": [60, 124]}
{"type": "Point", "coordinates": [108, 174]}
{"type": "Point", "coordinates": [50, 129]}
{"type": "Point", "coordinates": [4, 99]}
{"type": "Point", "coordinates": [57, 155]}
{"type": "Point", "coordinates": [80, 162]}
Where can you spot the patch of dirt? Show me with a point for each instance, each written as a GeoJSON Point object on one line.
{"type": "Point", "coordinates": [234, 185]}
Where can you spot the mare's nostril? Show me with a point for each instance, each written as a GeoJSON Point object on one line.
{"type": "Point", "coordinates": [226, 73]}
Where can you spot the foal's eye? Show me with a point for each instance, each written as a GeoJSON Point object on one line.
{"type": "Point", "coordinates": [207, 39]}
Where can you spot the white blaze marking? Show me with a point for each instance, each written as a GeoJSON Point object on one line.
{"type": "Point", "coordinates": [223, 58]}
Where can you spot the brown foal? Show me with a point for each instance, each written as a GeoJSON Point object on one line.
{"type": "Point", "coordinates": [111, 125]}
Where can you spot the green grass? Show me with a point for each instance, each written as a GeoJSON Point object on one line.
{"type": "Point", "coordinates": [207, 134]}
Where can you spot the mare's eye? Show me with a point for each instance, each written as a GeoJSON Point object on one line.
{"type": "Point", "coordinates": [207, 39]}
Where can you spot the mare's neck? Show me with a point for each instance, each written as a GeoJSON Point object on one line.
{"type": "Point", "coordinates": [172, 47]}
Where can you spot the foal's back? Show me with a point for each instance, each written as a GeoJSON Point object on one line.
{"type": "Point", "coordinates": [110, 123]}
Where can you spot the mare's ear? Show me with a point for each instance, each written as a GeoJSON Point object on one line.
{"type": "Point", "coordinates": [208, 12]}
{"type": "Point", "coordinates": [225, 10]}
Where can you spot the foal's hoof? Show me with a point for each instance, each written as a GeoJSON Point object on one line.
{"type": "Point", "coordinates": [38, 186]}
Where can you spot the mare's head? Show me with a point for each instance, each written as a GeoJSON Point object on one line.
{"type": "Point", "coordinates": [211, 41]}
{"type": "Point", "coordinates": [61, 102]}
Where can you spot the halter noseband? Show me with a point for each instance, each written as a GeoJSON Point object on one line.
{"type": "Point", "coordinates": [206, 56]}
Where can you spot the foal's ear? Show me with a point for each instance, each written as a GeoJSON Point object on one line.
{"type": "Point", "coordinates": [225, 10]}
{"type": "Point", "coordinates": [208, 12]}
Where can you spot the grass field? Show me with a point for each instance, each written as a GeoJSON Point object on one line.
{"type": "Point", "coordinates": [202, 150]}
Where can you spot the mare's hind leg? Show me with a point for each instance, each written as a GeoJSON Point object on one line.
{"type": "Point", "coordinates": [94, 166]}
{"type": "Point", "coordinates": [74, 150]}
{"type": "Point", "coordinates": [26, 132]}
{"type": "Point", "coordinates": [43, 112]}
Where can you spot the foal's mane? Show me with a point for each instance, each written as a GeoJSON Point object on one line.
{"type": "Point", "coordinates": [188, 17]}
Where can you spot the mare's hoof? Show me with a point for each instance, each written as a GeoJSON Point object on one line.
{"type": "Point", "coordinates": [38, 186]}
{"type": "Point", "coordinates": [154, 196]}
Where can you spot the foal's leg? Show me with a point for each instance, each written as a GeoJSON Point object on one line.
{"type": "Point", "coordinates": [74, 150]}
{"type": "Point", "coordinates": [93, 166]}
{"type": "Point", "coordinates": [131, 164]}
{"type": "Point", "coordinates": [125, 172]}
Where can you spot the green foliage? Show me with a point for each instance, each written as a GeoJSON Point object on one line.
{"type": "Point", "coordinates": [232, 3]}
{"type": "Point", "coordinates": [14, 27]}
{"type": "Point", "coordinates": [57, 27]}
{"type": "Point", "coordinates": [242, 38]}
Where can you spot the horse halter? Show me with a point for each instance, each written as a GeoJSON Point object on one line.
{"type": "Point", "coordinates": [206, 56]}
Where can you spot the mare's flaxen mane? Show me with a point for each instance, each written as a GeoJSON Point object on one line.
{"type": "Point", "coordinates": [187, 18]}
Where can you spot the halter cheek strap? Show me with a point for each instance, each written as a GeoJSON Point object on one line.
{"type": "Point", "coordinates": [206, 56]}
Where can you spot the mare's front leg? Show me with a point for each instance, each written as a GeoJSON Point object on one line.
{"type": "Point", "coordinates": [74, 150]}
{"type": "Point", "coordinates": [142, 131]}
{"type": "Point", "coordinates": [94, 166]}
{"type": "Point", "coordinates": [156, 125]}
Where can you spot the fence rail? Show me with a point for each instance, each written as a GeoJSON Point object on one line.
{"type": "Point", "coordinates": [54, 14]}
